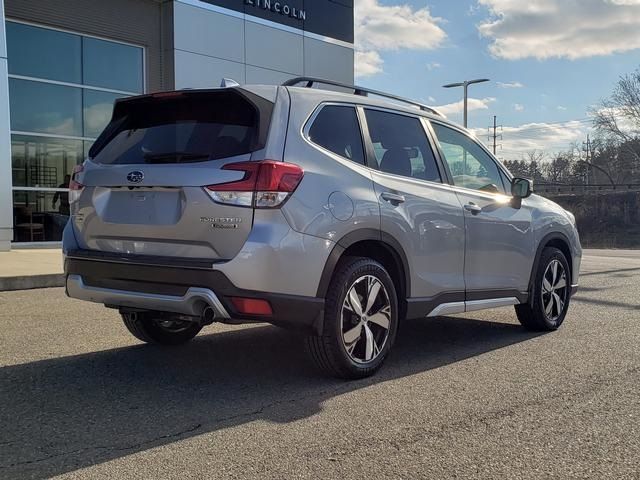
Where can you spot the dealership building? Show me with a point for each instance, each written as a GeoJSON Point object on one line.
{"type": "Point", "coordinates": [63, 63]}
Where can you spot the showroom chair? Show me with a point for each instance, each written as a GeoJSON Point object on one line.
{"type": "Point", "coordinates": [31, 223]}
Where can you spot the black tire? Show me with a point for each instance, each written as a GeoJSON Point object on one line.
{"type": "Point", "coordinates": [146, 328]}
{"type": "Point", "coordinates": [329, 351]}
{"type": "Point", "coordinates": [532, 315]}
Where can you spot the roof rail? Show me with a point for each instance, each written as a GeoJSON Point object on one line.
{"type": "Point", "coordinates": [310, 81]}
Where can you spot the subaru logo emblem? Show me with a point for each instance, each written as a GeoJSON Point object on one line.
{"type": "Point", "coordinates": [135, 177]}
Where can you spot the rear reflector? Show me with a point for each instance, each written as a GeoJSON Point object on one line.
{"type": "Point", "coordinates": [252, 306]}
{"type": "Point", "coordinates": [266, 184]}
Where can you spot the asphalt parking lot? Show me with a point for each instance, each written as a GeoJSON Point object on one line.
{"type": "Point", "coordinates": [460, 397]}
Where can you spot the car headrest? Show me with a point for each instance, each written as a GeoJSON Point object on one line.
{"type": "Point", "coordinates": [396, 161]}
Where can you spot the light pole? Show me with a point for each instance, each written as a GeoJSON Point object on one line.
{"type": "Point", "coordinates": [466, 84]}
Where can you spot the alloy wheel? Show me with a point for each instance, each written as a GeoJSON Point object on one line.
{"type": "Point", "coordinates": [554, 290]}
{"type": "Point", "coordinates": [365, 319]}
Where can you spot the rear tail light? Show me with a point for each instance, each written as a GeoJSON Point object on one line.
{"type": "Point", "coordinates": [75, 187]}
{"type": "Point", "coordinates": [266, 184]}
{"type": "Point", "coordinates": [252, 306]}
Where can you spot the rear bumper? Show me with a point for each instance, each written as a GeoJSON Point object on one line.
{"type": "Point", "coordinates": [191, 303]}
{"type": "Point", "coordinates": [129, 281]}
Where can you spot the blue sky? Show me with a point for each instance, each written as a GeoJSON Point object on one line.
{"type": "Point", "coordinates": [550, 61]}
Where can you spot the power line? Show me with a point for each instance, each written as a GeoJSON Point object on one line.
{"type": "Point", "coordinates": [531, 133]}
{"type": "Point", "coordinates": [538, 127]}
{"type": "Point", "coordinates": [535, 133]}
{"type": "Point", "coordinates": [541, 126]}
{"type": "Point", "coordinates": [544, 125]}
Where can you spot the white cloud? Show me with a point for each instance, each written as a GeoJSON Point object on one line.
{"type": "Point", "coordinates": [392, 27]}
{"type": "Point", "coordinates": [433, 66]}
{"type": "Point", "coordinates": [431, 99]}
{"type": "Point", "coordinates": [561, 108]}
{"type": "Point", "coordinates": [518, 107]}
{"type": "Point", "coordinates": [510, 85]}
{"type": "Point", "coordinates": [473, 104]}
{"type": "Point", "coordinates": [627, 123]}
{"type": "Point", "coordinates": [367, 63]}
{"type": "Point", "coordinates": [546, 137]}
{"type": "Point", "coordinates": [97, 116]}
{"type": "Point", "coordinates": [561, 28]}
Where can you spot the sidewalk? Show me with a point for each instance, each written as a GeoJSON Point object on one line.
{"type": "Point", "coordinates": [22, 269]}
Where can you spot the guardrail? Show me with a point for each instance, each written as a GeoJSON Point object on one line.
{"type": "Point", "coordinates": [598, 189]}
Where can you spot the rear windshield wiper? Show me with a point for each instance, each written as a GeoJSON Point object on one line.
{"type": "Point", "coordinates": [174, 157]}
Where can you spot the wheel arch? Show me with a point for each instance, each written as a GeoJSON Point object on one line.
{"type": "Point", "coordinates": [554, 239]}
{"type": "Point", "coordinates": [376, 245]}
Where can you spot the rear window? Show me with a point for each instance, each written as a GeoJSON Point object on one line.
{"type": "Point", "coordinates": [184, 127]}
{"type": "Point", "coordinates": [336, 128]}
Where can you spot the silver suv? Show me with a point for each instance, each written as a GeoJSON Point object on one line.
{"type": "Point", "coordinates": [335, 213]}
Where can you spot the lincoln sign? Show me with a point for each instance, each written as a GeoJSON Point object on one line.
{"type": "Point", "coordinates": [278, 7]}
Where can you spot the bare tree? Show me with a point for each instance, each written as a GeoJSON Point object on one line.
{"type": "Point", "coordinates": [617, 118]}
{"type": "Point", "coordinates": [559, 170]}
{"type": "Point", "coordinates": [535, 160]}
{"type": "Point", "coordinates": [537, 156]}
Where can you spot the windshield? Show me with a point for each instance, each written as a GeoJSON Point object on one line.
{"type": "Point", "coordinates": [181, 128]}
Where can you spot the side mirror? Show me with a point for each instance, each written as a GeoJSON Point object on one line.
{"type": "Point", "coordinates": [521, 187]}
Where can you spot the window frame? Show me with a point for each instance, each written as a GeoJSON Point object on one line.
{"type": "Point", "coordinates": [372, 162]}
{"type": "Point", "coordinates": [504, 173]}
{"type": "Point", "coordinates": [311, 120]}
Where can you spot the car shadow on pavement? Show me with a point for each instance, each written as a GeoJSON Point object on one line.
{"type": "Point", "coordinates": [608, 303]}
{"type": "Point", "coordinates": [621, 271]}
{"type": "Point", "coordinates": [68, 413]}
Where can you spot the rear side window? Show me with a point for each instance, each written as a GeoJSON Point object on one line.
{"type": "Point", "coordinates": [401, 146]}
{"type": "Point", "coordinates": [184, 127]}
{"type": "Point", "coordinates": [336, 128]}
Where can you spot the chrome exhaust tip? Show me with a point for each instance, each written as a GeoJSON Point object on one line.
{"type": "Point", "coordinates": [208, 316]}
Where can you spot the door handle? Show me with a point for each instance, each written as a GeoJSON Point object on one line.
{"type": "Point", "coordinates": [473, 208]}
{"type": "Point", "coordinates": [393, 198]}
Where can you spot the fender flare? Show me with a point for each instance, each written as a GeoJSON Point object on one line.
{"type": "Point", "coordinates": [364, 234]}
{"type": "Point", "coordinates": [541, 246]}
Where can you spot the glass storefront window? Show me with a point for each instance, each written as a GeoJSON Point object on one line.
{"type": "Point", "coordinates": [97, 110]}
{"type": "Point", "coordinates": [43, 53]}
{"type": "Point", "coordinates": [53, 125]}
{"type": "Point", "coordinates": [112, 65]}
{"type": "Point", "coordinates": [42, 161]}
{"type": "Point", "coordinates": [39, 216]}
{"type": "Point", "coordinates": [45, 108]}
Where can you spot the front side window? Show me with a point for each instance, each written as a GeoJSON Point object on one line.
{"type": "Point", "coordinates": [471, 167]}
{"type": "Point", "coordinates": [336, 128]}
{"type": "Point", "coordinates": [401, 146]}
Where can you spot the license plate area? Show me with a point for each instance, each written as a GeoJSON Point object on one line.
{"type": "Point", "coordinates": [140, 206]}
